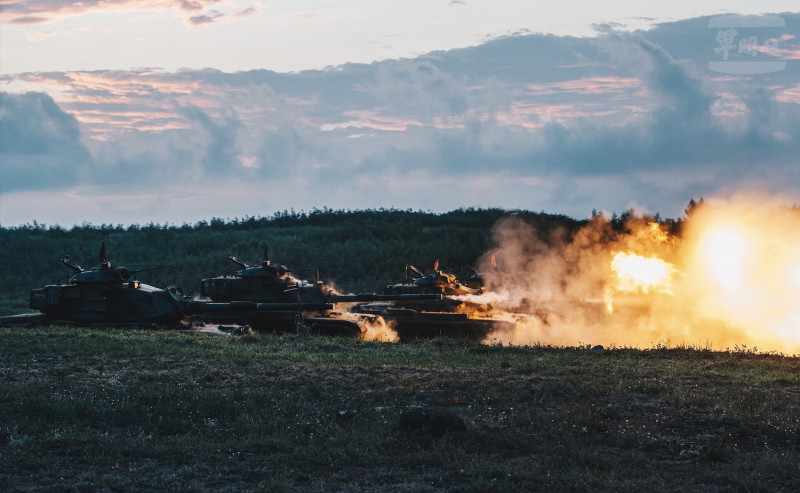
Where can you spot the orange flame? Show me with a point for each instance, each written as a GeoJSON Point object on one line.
{"type": "Point", "coordinates": [639, 274]}
{"type": "Point", "coordinates": [636, 273]}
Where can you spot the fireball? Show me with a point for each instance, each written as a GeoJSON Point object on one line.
{"type": "Point", "coordinates": [638, 274]}
{"type": "Point", "coordinates": [724, 250]}
{"type": "Point", "coordinates": [744, 269]}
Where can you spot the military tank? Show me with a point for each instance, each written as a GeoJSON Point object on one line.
{"type": "Point", "coordinates": [299, 304]}
{"type": "Point", "coordinates": [103, 295]}
{"type": "Point", "coordinates": [111, 296]}
{"type": "Point", "coordinates": [457, 313]}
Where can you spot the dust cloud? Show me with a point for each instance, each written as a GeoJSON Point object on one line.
{"type": "Point", "coordinates": [378, 329]}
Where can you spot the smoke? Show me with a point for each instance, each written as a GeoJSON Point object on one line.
{"type": "Point", "coordinates": [725, 277]}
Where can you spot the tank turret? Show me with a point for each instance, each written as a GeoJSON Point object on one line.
{"type": "Point", "coordinates": [437, 282]}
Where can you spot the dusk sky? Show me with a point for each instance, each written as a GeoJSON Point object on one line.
{"type": "Point", "coordinates": [139, 111]}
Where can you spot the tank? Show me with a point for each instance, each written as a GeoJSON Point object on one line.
{"type": "Point", "coordinates": [453, 314]}
{"type": "Point", "coordinates": [267, 282]}
{"type": "Point", "coordinates": [306, 305]}
{"type": "Point", "coordinates": [106, 295]}
{"type": "Point", "coordinates": [261, 297]}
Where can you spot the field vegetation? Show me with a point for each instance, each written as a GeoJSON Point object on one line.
{"type": "Point", "coordinates": [88, 409]}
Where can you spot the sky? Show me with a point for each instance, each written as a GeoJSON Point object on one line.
{"type": "Point", "coordinates": [172, 112]}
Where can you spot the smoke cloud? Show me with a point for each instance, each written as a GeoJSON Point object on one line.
{"type": "Point", "coordinates": [725, 277]}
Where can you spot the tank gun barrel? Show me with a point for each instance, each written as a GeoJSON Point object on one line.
{"type": "Point", "coordinates": [154, 267]}
{"type": "Point", "coordinates": [72, 265]}
{"type": "Point", "coordinates": [197, 307]}
{"type": "Point", "coordinates": [237, 261]}
{"type": "Point", "coordinates": [350, 298]}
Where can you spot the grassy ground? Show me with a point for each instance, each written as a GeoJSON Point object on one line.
{"type": "Point", "coordinates": [120, 410]}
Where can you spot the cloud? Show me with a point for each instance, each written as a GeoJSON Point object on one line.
{"type": "Point", "coordinates": [541, 122]}
{"type": "Point", "coordinates": [21, 12]}
{"type": "Point", "coordinates": [679, 133]}
{"type": "Point", "coordinates": [676, 135]}
{"type": "Point", "coordinates": [215, 15]}
{"type": "Point", "coordinates": [28, 20]}
{"type": "Point", "coordinates": [41, 145]}
{"type": "Point", "coordinates": [419, 87]}
{"type": "Point", "coordinates": [220, 151]}
{"type": "Point", "coordinates": [204, 19]}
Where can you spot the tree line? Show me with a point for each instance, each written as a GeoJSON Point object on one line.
{"type": "Point", "coordinates": [356, 251]}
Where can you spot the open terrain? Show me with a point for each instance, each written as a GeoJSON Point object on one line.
{"type": "Point", "coordinates": [87, 409]}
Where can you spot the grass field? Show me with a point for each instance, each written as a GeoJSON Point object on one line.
{"type": "Point", "coordinates": [120, 410]}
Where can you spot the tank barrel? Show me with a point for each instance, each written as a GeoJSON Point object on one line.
{"type": "Point", "coordinates": [72, 265]}
{"type": "Point", "coordinates": [237, 261]}
{"type": "Point", "coordinates": [197, 307]}
{"type": "Point", "coordinates": [351, 298]}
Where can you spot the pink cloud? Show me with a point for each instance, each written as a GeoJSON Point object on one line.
{"type": "Point", "coordinates": [22, 12]}
{"type": "Point", "coordinates": [371, 120]}
{"type": "Point", "coordinates": [109, 103]}
{"type": "Point", "coordinates": [27, 20]}
{"type": "Point", "coordinates": [534, 115]}
{"type": "Point", "coordinates": [789, 95]}
{"type": "Point", "coordinates": [787, 54]}
{"type": "Point", "coordinates": [593, 85]}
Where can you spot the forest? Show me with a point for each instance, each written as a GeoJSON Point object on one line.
{"type": "Point", "coordinates": [356, 251]}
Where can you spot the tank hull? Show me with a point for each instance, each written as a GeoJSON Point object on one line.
{"type": "Point", "coordinates": [27, 320]}
{"type": "Point", "coordinates": [288, 321]}
{"type": "Point", "coordinates": [413, 324]}
{"type": "Point", "coordinates": [125, 303]}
